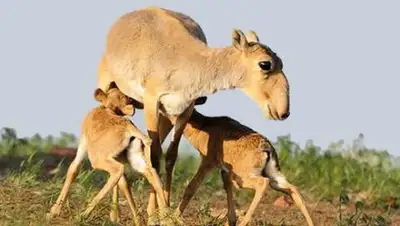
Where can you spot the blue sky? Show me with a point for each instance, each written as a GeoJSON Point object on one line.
{"type": "Point", "coordinates": [341, 59]}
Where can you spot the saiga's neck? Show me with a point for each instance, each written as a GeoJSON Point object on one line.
{"type": "Point", "coordinates": [219, 69]}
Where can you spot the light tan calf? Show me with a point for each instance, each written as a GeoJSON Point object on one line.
{"type": "Point", "coordinates": [156, 54]}
{"type": "Point", "coordinates": [109, 139]}
{"type": "Point", "coordinates": [244, 157]}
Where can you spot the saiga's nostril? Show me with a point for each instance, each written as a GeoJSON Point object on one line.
{"type": "Point", "coordinates": [285, 115]}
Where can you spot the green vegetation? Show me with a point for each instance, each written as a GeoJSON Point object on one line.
{"type": "Point", "coordinates": [343, 185]}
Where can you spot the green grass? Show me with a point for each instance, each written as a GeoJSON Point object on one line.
{"type": "Point", "coordinates": [329, 179]}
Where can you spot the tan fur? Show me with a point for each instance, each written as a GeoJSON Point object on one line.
{"type": "Point", "coordinates": [169, 47]}
{"type": "Point", "coordinates": [157, 55]}
{"type": "Point", "coordinates": [110, 140]}
{"type": "Point", "coordinates": [244, 156]}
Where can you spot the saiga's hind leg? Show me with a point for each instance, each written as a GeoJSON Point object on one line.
{"type": "Point", "coordinates": [116, 170]}
{"type": "Point", "coordinates": [293, 192]}
{"type": "Point", "coordinates": [172, 151]}
{"type": "Point", "coordinates": [104, 77]}
{"type": "Point", "coordinates": [278, 182]}
{"type": "Point", "coordinates": [259, 184]}
{"type": "Point", "coordinates": [157, 138]}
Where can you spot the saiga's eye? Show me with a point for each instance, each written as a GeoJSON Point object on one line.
{"type": "Point", "coordinates": [265, 65]}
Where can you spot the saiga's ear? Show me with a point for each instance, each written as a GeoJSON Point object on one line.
{"type": "Point", "coordinates": [128, 110]}
{"type": "Point", "coordinates": [251, 36]}
{"type": "Point", "coordinates": [200, 101]}
{"type": "Point", "coordinates": [100, 95]}
{"type": "Point", "coordinates": [239, 40]}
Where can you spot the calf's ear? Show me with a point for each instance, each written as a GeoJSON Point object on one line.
{"type": "Point", "coordinates": [100, 95]}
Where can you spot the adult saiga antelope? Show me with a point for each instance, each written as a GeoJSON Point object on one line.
{"type": "Point", "coordinates": [161, 59]}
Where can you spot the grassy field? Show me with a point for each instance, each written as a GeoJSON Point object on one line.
{"type": "Point", "coordinates": [351, 185]}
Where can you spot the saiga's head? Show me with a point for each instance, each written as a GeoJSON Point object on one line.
{"type": "Point", "coordinates": [264, 81]}
{"type": "Point", "coordinates": [115, 100]}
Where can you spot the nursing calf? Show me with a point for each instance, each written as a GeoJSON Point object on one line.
{"type": "Point", "coordinates": [245, 158]}
{"type": "Point", "coordinates": [109, 139]}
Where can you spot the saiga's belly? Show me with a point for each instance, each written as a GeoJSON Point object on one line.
{"type": "Point", "coordinates": [172, 104]}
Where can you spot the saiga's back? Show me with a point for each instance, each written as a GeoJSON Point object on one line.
{"type": "Point", "coordinates": [152, 40]}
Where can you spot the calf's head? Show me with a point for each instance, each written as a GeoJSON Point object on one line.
{"type": "Point", "coordinates": [115, 100]}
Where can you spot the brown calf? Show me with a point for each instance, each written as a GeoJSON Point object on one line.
{"type": "Point", "coordinates": [109, 139]}
{"type": "Point", "coordinates": [245, 158]}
